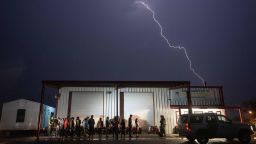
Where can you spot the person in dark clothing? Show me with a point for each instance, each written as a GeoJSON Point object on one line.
{"type": "Point", "coordinates": [122, 128]}
{"type": "Point", "coordinates": [62, 130]}
{"type": "Point", "coordinates": [136, 126]}
{"type": "Point", "coordinates": [112, 121]}
{"type": "Point", "coordinates": [130, 126]}
{"type": "Point", "coordinates": [100, 127]}
{"type": "Point", "coordinates": [72, 127]}
{"type": "Point", "coordinates": [78, 123]}
{"type": "Point", "coordinates": [116, 127]}
{"type": "Point", "coordinates": [91, 124]}
{"type": "Point", "coordinates": [107, 123]}
{"type": "Point", "coordinates": [162, 126]}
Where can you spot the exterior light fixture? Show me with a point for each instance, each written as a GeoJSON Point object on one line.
{"type": "Point", "coordinates": [250, 112]}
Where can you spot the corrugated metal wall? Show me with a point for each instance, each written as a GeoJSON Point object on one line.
{"type": "Point", "coordinates": [200, 96]}
{"type": "Point", "coordinates": [160, 101]}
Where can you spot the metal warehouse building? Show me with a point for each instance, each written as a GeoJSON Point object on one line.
{"type": "Point", "coordinates": [146, 100]}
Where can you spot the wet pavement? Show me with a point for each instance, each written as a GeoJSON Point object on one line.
{"type": "Point", "coordinates": [140, 140]}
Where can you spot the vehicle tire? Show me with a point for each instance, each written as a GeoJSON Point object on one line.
{"type": "Point", "coordinates": [190, 139]}
{"type": "Point", "coordinates": [202, 138]}
{"type": "Point", "coordinates": [229, 139]}
{"type": "Point", "coordinates": [244, 137]}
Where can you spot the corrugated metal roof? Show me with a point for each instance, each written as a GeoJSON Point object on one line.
{"type": "Point", "coordinates": [70, 83]}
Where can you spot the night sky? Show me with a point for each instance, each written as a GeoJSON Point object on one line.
{"type": "Point", "coordinates": [117, 40]}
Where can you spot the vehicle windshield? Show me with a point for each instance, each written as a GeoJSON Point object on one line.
{"type": "Point", "coordinates": [223, 119]}
{"type": "Point", "coordinates": [196, 118]}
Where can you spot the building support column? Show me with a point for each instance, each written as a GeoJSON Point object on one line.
{"type": "Point", "coordinates": [189, 99]}
{"type": "Point", "coordinates": [222, 97]}
{"type": "Point", "coordinates": [57, 104]}
{"type": "Point", "coordinates": [154, 109]}
{"type": "Point", "coordinates": [117, 101]}
{"type": "Point", "coordinates": [122, 105]}
{"type": "Point", "coordinates": [240, 114]}
{"type": "Point", "coordinates": [40, 110]}
{"type": "Point", "coordinates": [69, 104]}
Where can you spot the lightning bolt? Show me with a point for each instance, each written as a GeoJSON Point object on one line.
{"type": "Point", "coordinates": [169, 44]}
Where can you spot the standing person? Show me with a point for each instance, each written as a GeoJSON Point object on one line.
{"type": "Point", "coordinates": [107, 123]}
{"type": "Point", "coordinates": [137, 126]}
{"type": "Point", "coordinates": [62, 127]}
{"type": "Point", "coordinates": [112, 121]}
{"type": "Point", "coordinates": [91, 124]}
{"type": "Point", "coordinates": [66, 127]}
{"type": "Point", "coordinates": [115, 127]}
{"type": "Point", "coordinates": [100, 127]}
{"type": "Point", "coordinates": [86, 126]}
{"type": "Point", "coordinates": [130, 126]}
{"type": "Point", "coordinates": [162, 126]}
{"type": "Point", "coordinates": [122, 128]}
{"type": "Point", "coordinates": [78, 123]}
{"type": "Point", "coordinates": [72, 126]}
{"type": "Point", "coordinates": [57, 127]}
{"type": "Point", "coordinates": [50, 126]}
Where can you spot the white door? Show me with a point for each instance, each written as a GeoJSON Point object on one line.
{"type": "Point", "coordinates": [87, 103]}
{"type": "Point", "coordinates": [139, 105]}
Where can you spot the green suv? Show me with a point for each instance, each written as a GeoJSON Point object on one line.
{"type": "Point", "coordinates": [202, 127]}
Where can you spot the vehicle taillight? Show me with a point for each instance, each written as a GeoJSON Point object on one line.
{"type": "Point", "coordinates": [188, 128]}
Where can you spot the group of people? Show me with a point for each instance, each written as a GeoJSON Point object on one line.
{"type": "Point", "coordinates": [64, 127]}
{"type": "Point", "coordinates": [70, 127]}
